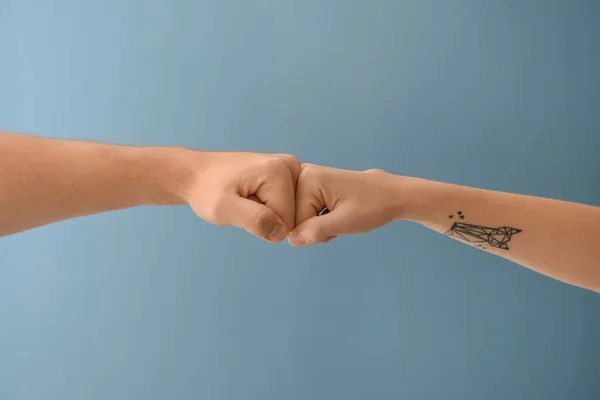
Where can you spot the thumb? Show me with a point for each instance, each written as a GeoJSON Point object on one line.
{"type": "Point", "coordinates": [319, 229]}
{"type": "Point", "coordinates": [256, 218]}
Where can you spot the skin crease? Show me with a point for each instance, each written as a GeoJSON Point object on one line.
{"type": "Point", "coordinates": [273, 195]}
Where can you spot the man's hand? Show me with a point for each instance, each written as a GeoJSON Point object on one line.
{"type": "Point", "coordinates": [358, 202]}
{"type": "Point", "coordinates": [49, 180]}
{"type": "Point", "coordinates": [247, 190]}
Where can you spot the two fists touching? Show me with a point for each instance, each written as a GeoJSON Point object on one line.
{"type": "Point", "coordinates": [274, 195]}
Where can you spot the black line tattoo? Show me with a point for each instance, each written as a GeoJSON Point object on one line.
{"type": "Point", "coordinates": [495, 237]}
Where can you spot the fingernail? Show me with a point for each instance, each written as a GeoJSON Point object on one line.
{"type": "Point", "coordinates": [296, 239]}
{"type": "Point", "coordinates": [278, 233]}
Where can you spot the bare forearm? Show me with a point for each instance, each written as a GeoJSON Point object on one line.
{"type": "Point", "coordinates": [555, 238]}
{"type": "Point", "coordinates": [45, 180]}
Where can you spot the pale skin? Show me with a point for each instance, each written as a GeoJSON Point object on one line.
{"type": "Point", "coordinates": [273, 196]}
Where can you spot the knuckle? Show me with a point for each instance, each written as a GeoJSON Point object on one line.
{"type": "Point", "coordinates": [273, 164]}
{"type": "Point", "coordinates": [310, 171]}
{"type": "Point", "coordinates": [375, 172]}
{"type": "Point", "coordinates": [308, 166]}
{"type": "Point", "coordinates": [290, 160]}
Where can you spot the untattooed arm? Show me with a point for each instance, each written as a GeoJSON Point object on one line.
{"type": "Point", "coordinates": [48, 180]}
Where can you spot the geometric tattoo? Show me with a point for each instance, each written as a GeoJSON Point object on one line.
{"type": "Point", "coordinates": [496, 237]}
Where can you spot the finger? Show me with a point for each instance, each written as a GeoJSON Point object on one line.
{"type": "Point", "coordinates": [309, 195]}
{"type": "Point", "coordinates": [320, 229]}
{"type": "Point", "coordinates": [293, 164]}
{"type": "Point", "coordinates": [254, 217]}
{"type": "Point", "coordinates": [254, 198]}
{"type": "Point", "coordinates": [277, 193]}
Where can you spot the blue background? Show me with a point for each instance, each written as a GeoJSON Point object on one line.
{"type": "Point", "coordinates": [152, 303]}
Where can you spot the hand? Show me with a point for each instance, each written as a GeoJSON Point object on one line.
{"type": "Point", "coordinates": [358, 202]}
{"type": "Point", "coordinates": [252, 191]}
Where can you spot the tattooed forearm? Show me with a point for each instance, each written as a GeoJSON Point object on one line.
{"type": "Point", "coordinates": [495, 237]}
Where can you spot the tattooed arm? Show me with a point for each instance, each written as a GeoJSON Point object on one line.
{"type": "Point", "coordinates": [555, 238]}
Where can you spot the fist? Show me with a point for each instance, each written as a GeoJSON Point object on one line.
{"type": "Point", "coordinates": [252, 191]}
{"type": "Point", "coordinates": [358, 202]}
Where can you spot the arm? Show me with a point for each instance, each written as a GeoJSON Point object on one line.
{"type": "Point", "coordinates": [47, 180]}
{"type": "Point", "coordinates": [555, 238]}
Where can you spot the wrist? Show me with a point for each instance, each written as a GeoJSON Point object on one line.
{"type": "Point", "coordinates": [412, 197]}
{"type": "Point", "coordinates": [166, 174]}
{"type": "Point", "coordinates": [423, 199]}
{"type": "Point", "coordinates": [391, 195]}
